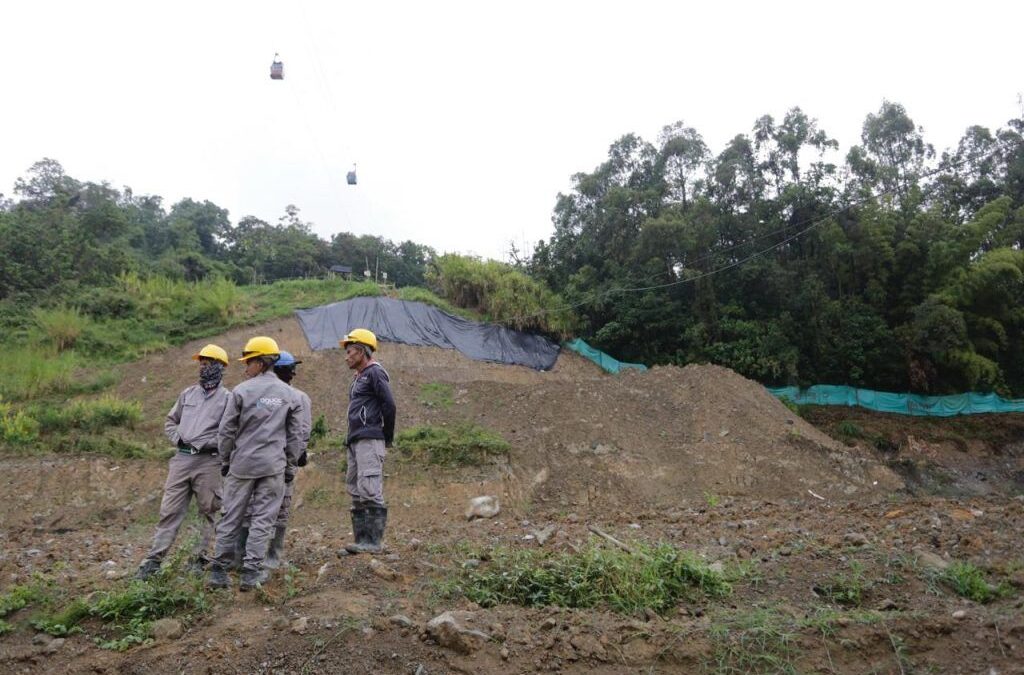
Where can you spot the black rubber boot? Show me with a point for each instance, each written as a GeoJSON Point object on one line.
{"type": "Point", "coordinates": [148, 568]}
{"type": "Point", "coordinates": [378, 523]}
{"type": "Point", "coordinates": [252, 578]}
{"type": "Point", "coordinates": [360, 530]}
{"type": "Point", "coordinates": [218, 577]}
{"type": "Point", "coordinates": [243, 538]}
{"type": "Point", "coordinates": [374, 520]}
{"type": "Point", "coordinates": [276, 549]}
{"type": "Point", "coordinates": [197, 565]}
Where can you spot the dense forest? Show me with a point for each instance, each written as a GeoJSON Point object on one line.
{"type": "Point", "coordinates": [888, 266]}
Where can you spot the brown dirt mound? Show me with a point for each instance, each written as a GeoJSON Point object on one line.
{"type": "Point", "coordinates": [579, 436]}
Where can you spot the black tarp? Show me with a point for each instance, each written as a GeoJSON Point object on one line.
{"type": "Point", "coordinates": [414, 323]}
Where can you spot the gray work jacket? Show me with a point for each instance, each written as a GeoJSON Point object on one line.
{"type": "Point", "coordinates": [260, 433]}
{"type": "Point", "coordinates": [195, 416]}
{"type": "Point", "coordinates": [307, 417]}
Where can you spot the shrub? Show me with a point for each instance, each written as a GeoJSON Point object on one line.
{"type": "Point", "coordinates": [502, 293]}
{"type": "Point", "coordinates": [90, 415]}
{"type": "Point", "coordinates": [61, 325]}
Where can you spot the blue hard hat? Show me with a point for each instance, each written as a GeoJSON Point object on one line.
{"type": "Point", "coordinates": [286, 359]}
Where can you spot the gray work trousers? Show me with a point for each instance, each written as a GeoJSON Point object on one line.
{"type": "Point", "coordinates": [187, 475]}
{"type": "Point", "coordinates": [265, 494]}
{"type": "Point", "coordinates": [282, 514]}
{"type": "Point", "coordinates": [365, 477]}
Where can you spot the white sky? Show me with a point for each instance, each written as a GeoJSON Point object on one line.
{"type": "Point", "coordinates": [465, 118]}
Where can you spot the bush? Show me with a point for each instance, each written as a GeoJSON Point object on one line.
{"type": "Point", "coordinates": [502, 293]}
{"type": "Point", "coordinates": [462, 445]}
{"type": "Point", "coordinates": [61, 325]}
{"type": "Point", "coordinates": [653, 577]}
{"type": "Point", "coordinates": [90, 415]}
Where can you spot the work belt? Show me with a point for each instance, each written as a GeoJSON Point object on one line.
{"type": "Point", "coordinates": [186, 449]}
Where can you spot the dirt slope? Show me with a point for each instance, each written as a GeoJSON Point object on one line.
{"type": "Point", "coordinates": [644, 439]}
{"type": "Point", "coordinates": [696, 456]}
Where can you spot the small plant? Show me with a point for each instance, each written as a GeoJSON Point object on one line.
{"type": "Point", "coordinates": [17, 427]}
{"type": "Point", "coordinates": [462, 445]}
{"type": "Point", "coordinates": [846, 589]}
{"type": "Point", "coordinates": [5, 627]}
{"type": "Point", "coordinates": [711, 499]}
{"type": "Point", "coordinates": [319, 430]}
{"type": "Point", "coordinates": [849, 431]}
{"type": "Point", "coordinates": [19, 597]}
{"type": "Point", "coordinates": [319, 495]}
{"type": "Point", "coordinates": [758, 641]}
{"type": "Point", "coordinates": [436, 395]}
{"type": "Point", "coordinates": [969, 582]}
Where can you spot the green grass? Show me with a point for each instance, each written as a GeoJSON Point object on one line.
{"type": "Point", "coordinates": [62, 325]}
{"type": "Point", "coordinates": [654, 577]}
{"type": "Point", "coordinates": [125, 614]}
{"type": "Point", "coordinates": [461, 445]}
{"type": "Point", "coordinates": [19, 597]}
{"type": "Point", "coordinates": [418, 294]}
{"type": "Point", "coordinates": [757, 641]}
{"type": "Point", "coordinates": [969, 582]}
{"type": "Point", "coordinates": [437, 395]}
{"type": "Point", "coordinates": [5, 628]}
{"type": "Point", "coordinates": [93, 415]}
{"type": "Point", "coordinates": [29, 372]}
{"type": "Point", "coordinates": [846, 588]}
{"type": "Point", "coordinates": [849, 431]}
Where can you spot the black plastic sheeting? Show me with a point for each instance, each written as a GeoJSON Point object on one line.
{"type": "Point", "coordinates": [414, 323]}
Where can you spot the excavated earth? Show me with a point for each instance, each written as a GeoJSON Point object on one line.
{"type": "Point", "coordinates": [698, 456]}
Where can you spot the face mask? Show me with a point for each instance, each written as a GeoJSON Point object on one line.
{"type": "Point", "coordinates": [210, 374]}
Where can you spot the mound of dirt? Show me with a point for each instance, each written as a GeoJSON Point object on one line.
{"type": "Point", "coordinates": [579, 436]}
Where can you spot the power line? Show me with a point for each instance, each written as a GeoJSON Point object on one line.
{"type": "Point", "coordinates": [811, 224]}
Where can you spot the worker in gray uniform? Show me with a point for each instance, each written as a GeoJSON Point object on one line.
{"type": "Point", "coordinates": [285, 369]}
{"type": "Point", "coordinates": [194, 470]}
{"type": "Point", "coordinates": [259, 444]}
{"type": "Point", "coordinates": [371, 429]}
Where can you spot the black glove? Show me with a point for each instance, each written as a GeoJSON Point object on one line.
{"type": "Point", "coordinates": [224, 469]}
{"type": "Point", "coordinates": [288, 478]}
{"type": "Point", "coordinates": [303, 459]}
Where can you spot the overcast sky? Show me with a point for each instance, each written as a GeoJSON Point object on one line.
{"type": "Point", "coordinates": [465, 118]}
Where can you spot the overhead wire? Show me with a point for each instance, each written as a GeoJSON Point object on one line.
{"type": "Point", "coordinates": [811, 224]}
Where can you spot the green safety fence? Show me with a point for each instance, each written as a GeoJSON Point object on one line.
{"type": "Point", "coordinates": [609, 363]}
{"type": "Point", "coordinates": [901, 404]}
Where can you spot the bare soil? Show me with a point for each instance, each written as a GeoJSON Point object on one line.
{"type": "Point", "coordinates": [696, 456]}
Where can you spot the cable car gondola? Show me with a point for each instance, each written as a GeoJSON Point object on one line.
{"type": "Point", "coordinates": [277, 69]}
{"type": "Point", "coordinates": [351, 176]}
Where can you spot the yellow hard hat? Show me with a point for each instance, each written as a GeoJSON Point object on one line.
{"type": "Point", "coordinates": [359, 336]}
{"type": "Point", "coordinates": [212, 351]}
{"type": "Point", "coordinates": [260, 346]}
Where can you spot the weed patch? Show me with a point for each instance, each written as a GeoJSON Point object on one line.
{"type": "Point", "coordinates": [847, 588]}
{"type": "Point", "coordinates": [461, 445]}
{"type": "Point", "coordinates": [969, 582]}
{"type": "Point", "coordinates": [654, 577]}
{"type": "Point", "coordinates": [126, 614]}
{"type": "Point", "coordinates": [436, 395]}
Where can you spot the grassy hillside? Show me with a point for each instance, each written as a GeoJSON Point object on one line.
{"type": "Point", "coordinates": [69, 350]}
